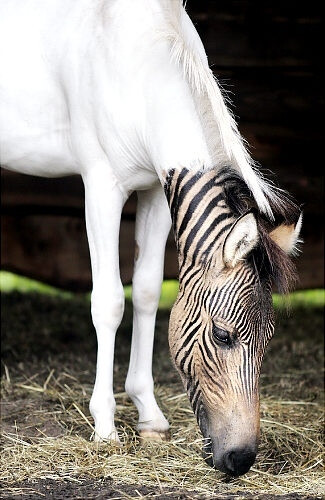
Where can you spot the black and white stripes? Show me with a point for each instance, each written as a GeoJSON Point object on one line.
{"type": "Point", "coordinates": [198, 210]}
{"type": "Point", "coordinates": [215, 375]}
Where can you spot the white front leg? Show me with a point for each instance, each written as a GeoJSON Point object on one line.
{"type": "Point", "coordinates": [152, 228]}
{"type": "Point", "coordinates": [104, 203]}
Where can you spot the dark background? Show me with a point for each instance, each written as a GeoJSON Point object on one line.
{"type": "Point", "coordinates": [267, 57]}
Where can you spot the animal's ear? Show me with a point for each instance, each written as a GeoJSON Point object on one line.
{"type": "Point", "coordinates": [241, 239]}
{"type": "Point", "coordinates": [287, 236]}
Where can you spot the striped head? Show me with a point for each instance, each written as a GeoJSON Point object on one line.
{"type": "Point", "coordinates": [222, 320]}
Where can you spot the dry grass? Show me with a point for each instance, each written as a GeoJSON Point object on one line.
{"type": "Point", "coordinates": [46, 423]}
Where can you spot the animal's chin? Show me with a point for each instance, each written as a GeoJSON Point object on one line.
{"type": "Point", "coordinates": [203, 422]}
{"type": "Point", "coordinates": [207, 452]}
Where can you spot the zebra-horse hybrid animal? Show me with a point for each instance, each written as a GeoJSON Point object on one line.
{"type": "Point", "coordinates": [120, 92]}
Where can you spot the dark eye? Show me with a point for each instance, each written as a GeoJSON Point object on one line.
{"type": "Point", "coordinates": [220, 335]}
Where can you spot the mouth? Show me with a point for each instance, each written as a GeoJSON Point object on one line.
{"type": "Point", "coordinates": [207, 451]}
{"type": "Point", "coordinates": [234, 462]}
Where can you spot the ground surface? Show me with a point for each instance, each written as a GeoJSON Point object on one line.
{"type": "Point", "coordinates": [48, 369]}
{"type": "Point", "coordinates": [106, 489]}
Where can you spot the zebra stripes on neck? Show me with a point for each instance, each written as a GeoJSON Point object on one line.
{"type": "Point", "coordinates": [199, 213]}
{"type": "Point", "coordinates": [222, 319]}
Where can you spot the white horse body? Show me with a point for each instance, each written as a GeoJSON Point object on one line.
{"type": "Point", "coordinates": [89, 83]}
{"type": "Point", "coordinates": [119, 92]}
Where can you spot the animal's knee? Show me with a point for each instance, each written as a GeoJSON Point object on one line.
{"type": "Point", "coordinates": [145, 293]}
{"type": "Point", "coordinates": [107, 306]}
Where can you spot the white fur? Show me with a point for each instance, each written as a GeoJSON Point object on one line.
{"type": "Point", "coordinates": [226, 145]}
{"type": "Point", "coordinates": [241, 239]}
{"type": "Point", "coordinates": [296, 240]}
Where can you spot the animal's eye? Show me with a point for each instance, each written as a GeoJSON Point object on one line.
{"type": "Point", "coordinates": [220, 335]}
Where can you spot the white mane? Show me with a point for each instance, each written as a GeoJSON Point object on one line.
{"type": "Point", "coordinates": [223, 138]}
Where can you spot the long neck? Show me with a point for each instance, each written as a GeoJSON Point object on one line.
{"type": "Point", "coordinates": [199, 214]}
{"type": "Point", "coordinates": [175, 136]}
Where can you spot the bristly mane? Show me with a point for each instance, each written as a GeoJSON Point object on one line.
{"type": "Point", "coordinates": [224, 141]}
{"type": "Point", "coordinates": [268, 259]}
{"type": "Point", "coordinates": [245, 187]}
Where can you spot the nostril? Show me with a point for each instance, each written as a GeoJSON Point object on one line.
{"type": "Point", "coordinates": [228, 461]}
{"type": "Point", "coordinates": [239, 461]}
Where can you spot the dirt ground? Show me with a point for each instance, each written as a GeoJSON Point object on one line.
{"type": "Point", "coordinates": [48, 367]}
{"type": "Point", "coordinates": [105, 489]}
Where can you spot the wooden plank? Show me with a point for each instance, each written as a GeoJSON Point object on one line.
{"type": "Point", "coordinates": [26, 193]}
{"type": "Point", "coordinates": [274, 96]}
{"type": "Point", "coordinates": [49, 248]}
{"type": "Point", "coordinates": [54, 249]}
{"type": "Point", "coordinates": [259, 34]}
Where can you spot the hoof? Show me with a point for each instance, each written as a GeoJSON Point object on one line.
{"type": "Point", "coordinates": [111, 439]}
{"type": "Point", "coordinates": [151, 435]}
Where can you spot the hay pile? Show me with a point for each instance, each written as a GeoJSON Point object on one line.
{"type": "Point", "coordinates": [46, 423]}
